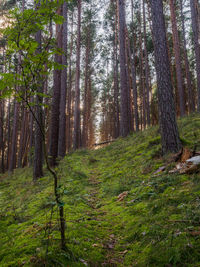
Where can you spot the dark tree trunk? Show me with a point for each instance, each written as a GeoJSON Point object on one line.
{"type": "Point", "coordinates": [12, 161]}
{"type": "Point", "coordinates": [124, 114]}
{"type": "Point", "coordinates": [55, 107]}
{"type": "Point", "coordinates": [167, 115]}
{"type": "Point", "coordinates": [22, 137]}
{"type": "Point", "coordinates": [177, 54]}
{"type": "Point", "coordinates": [62, 123]}
{"type": "Point", "coordinates": [26, 145]}
{"type": "Point", "coordinates": [196, 33]}
{"type": "Point", "coordinates": [76, 136]}
{"type": "Point", "coordinates": [31, 142]}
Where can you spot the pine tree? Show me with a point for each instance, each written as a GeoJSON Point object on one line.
{"type": "Point", "coordinates": [196, 36]}
{"type": "Point", "coordinates": [167, 115]}
{"type": "Point", "coordinates": [124, 112]}
{"type": "Point", "coordinates": [62, 118]}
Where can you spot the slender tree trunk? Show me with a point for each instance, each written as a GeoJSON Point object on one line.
{"type": "Point", "coordinates": [69, 95]}
{"type": "Point", "coordinates": [69, 92]}
{"type": "Point", "coordinates": [8, 135]}
{"type": "Point", "coordinates": [55, 109]}
{"type": "Point", "coordinates": [86, 104]}
{"type": "Point", "coordinates": [31, 141]}
{"type": "Point", "coordinates": [76, 137]}
{"type": "Point", "coordinates": [133, 71]}
{"type": "Point", "coordinates": [167, 114]}
{"type": "Point", "coordinates": [2, 139]}
{"type": "Point", "coordinates": [62, 123]}
{"type": "Point", "coordinates": [177, 53]}
{"type": "Point", "coordinates": [116, 78]}
{"type": "Point", "coordinates": [196, 33]}
{"type": "Point", "coordinates": [146, 67]}
{"type": "Point", "coordinates": [22, 137]}
{"type": "Point", "coordinates": [142, 78]}
{"type": "Point", "coordinates": [191, 102]}
{"type": "Point", "coordinates": [38, 146]}
{"type": "Point", "coordinates": [130, 114]}
{"type": "Point", "coordinates": [25, 158]}
{"type": "Point", "coordinates": [124, 115]}
{"type": "Point", "coordinates": [12, 161]}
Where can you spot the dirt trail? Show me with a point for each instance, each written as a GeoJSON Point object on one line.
{"type": "Point", "coordinates": [110, 240]}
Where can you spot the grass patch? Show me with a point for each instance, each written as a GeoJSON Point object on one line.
{"type": "Point", "coordinates": [156, 224]}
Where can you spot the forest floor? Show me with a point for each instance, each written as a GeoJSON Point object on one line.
{"type": "Point", "coordinates": [118, 211]}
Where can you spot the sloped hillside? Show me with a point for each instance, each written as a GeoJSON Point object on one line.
{"type": "Point", "coordinates": [118, 212]}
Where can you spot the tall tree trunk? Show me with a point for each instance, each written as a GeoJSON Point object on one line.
{"type": "Point", "coordinates": [124, 115]}
{"type": "Point", "coordinates": [76, 136]}
{"type": "Point", "coordinates": [128, 75]}
{"type": "Point", "coordinates": [177, 54]}
{"type": "Point", "coordinates": [55, 109]}
{"type": "Point", "coordinates": [146, 66]}
{"type": "Point", "coordinates": [38, 146]}
{"type": "Point", "coordinates": [167, 115]}
{"type": "Point", "coordinates": [142, 78]}
{"type": "Point", "coordinates": [133, 71]}
{"type": "Point", "coordinates": [85, 109]}
{"type": "Point", "coordinates": [191, 101]}
{"type": "Point", "coordinates": [196, 36]}
{"type": "Point", "coordinates": [116, 77]}
{"type": "Point", "coordinates": [62, 123]}
{"type": "Point", "coordinates": [69, 93]}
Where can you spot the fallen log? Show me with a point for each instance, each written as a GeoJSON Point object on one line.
{"type": "Point", "coordinates": [103, 143]}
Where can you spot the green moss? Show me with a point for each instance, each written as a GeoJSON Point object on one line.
{"type": "Point", "coordinates": [151, 226]}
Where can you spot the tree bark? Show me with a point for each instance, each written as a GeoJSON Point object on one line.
{"type": "Point", "coordinates": [2, 139]}
{"type": "Point", "coordinates": [167, 115]}
{"type": "Point", "coordinates": [38, 145]}
{"type": "Point", "coordinates": [133, 71]}
{"type": "Point", "coordinates": [69, 93]}
{"type": "Point", "coordinates": [86, 92]}
{"type": "Point", "coordinates": [76, 136]}
{"type": "Point", "coordinates": [55, 109]}
{"type": "Point", "coordinates": [116, 78]}
{"type": "Point", "coordinates": [177, 54]}
{"type": "Point", "coordinates": [124, 114]}
{"type": "Point", "coordinates": [22, 137]}
{"type": "Point", "coordinates": [142, 81]}
{"type": "Point", "coordinates": [196, 33]}
{"type": "Point", "coordinates": [8, 135]}
{"type": "Point", "coordinates": [12, 161]}
{"type": "Point", "coordinates": [31, 141]}
{"type": "Point", "coordinates": [191, 101]}
{"type": "Point", "coordinates": [62, 122]}
{"type": "Point", "coordinates": [146, 67]}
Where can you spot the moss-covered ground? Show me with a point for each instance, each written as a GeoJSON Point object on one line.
{"type": "Point", "coordinates": [156, 224]}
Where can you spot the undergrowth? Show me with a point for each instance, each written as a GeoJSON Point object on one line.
{"type": "Point", "coordinates": [156, 224]}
